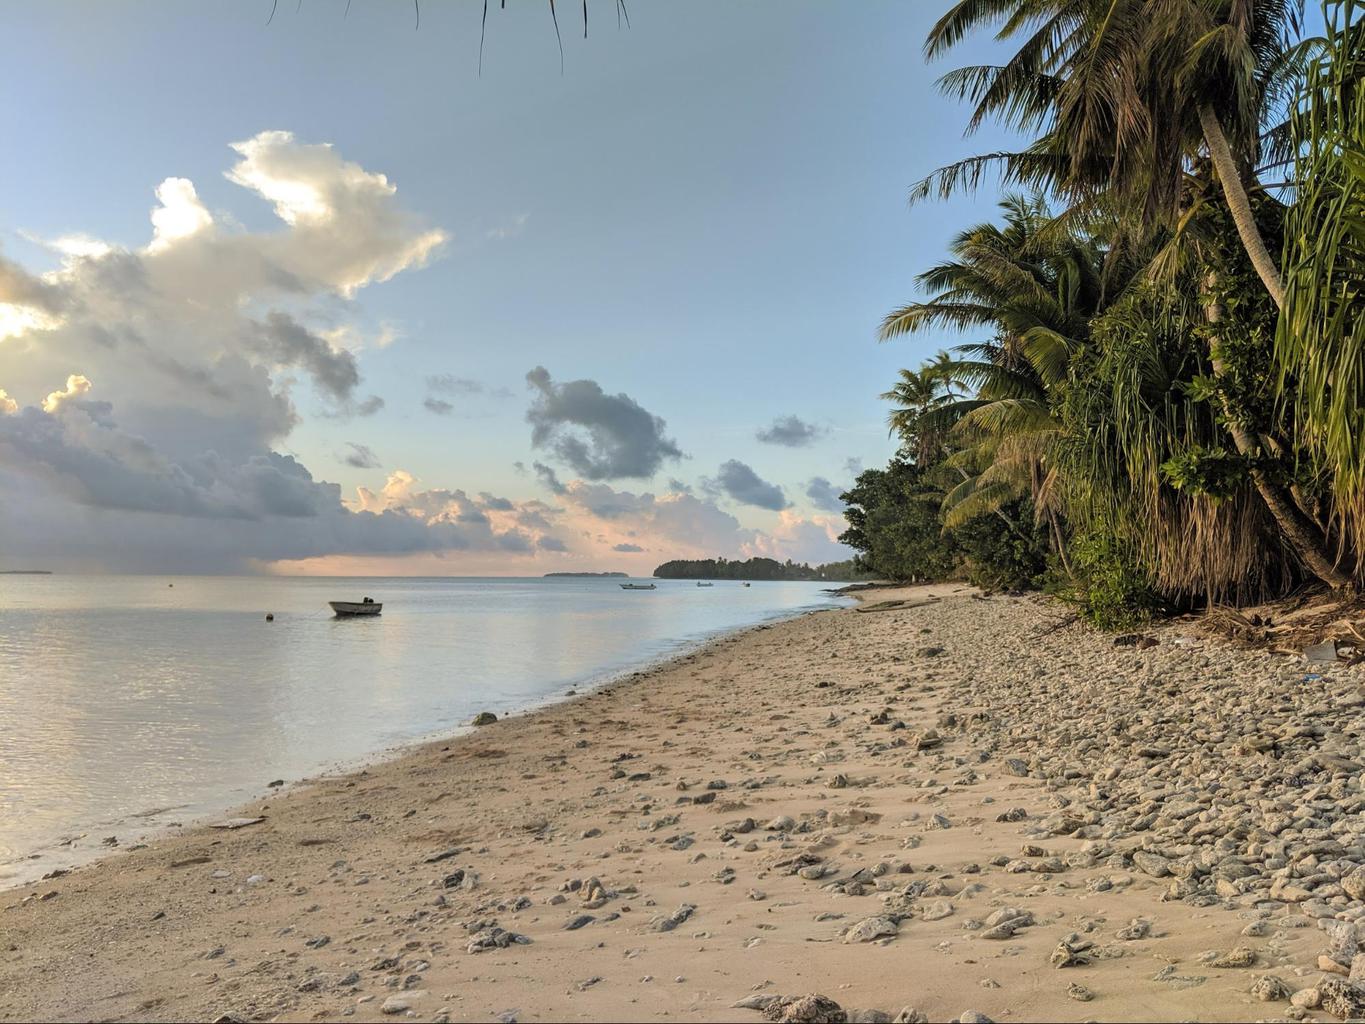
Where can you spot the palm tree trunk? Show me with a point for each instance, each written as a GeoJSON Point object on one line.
{"type": "Point", "coordinates": [1060, 541]}
{"type": "Point", "coordinates": [1239, 205]}
{"type": "Point", "coordinates": [1297, 528]}
{"type": "Point", "coordinates": [1035, 472]}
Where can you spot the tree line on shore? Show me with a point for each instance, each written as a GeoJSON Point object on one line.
{"type": "Point", "coordinates": [1159, 401]}
{"type": "Point", "coordinates": [758, 569]}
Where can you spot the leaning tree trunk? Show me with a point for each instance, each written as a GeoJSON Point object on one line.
{"type": "Point", "coordinates": [1230, 177]}
{"type": "Point", "coordinates": [1298, 529]}
{"type": "Point", "coordinates": [1054, 527]}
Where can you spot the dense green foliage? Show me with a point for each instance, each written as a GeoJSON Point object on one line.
{"type": "Point", "coordinates": [1163, 405]}
{"type": "Point", "coordinates": [894, 524]}
{"type": "Point", "coordinates": [755, 569]}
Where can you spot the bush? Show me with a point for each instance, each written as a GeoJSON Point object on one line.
{"type": "Point", "coordinates": [1108, 587]}
{"type": "Point", "coordinates": [996, 557]}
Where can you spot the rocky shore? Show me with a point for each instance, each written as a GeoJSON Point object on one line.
{"type": "Point", "coordinates": [955, 808]}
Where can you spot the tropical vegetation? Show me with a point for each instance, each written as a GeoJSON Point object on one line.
{"type": "Point", "coordinates": [757, 568]}
{"type": "Point", "coordinates": [1151, 388]}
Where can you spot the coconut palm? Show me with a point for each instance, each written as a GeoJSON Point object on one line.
{"type": "Point", "coordinates": [1035, 289]}
{"type": "Point", "coordinates": [1126, 97]}
{"type": "Point", "coordinates": [919, 398]}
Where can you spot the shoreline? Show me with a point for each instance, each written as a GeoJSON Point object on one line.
{"type": "Point", "coordinates": [58, 856]}
{"type": "Point", "coordinates": [914, 808]}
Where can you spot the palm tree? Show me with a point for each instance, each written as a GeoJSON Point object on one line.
{"type": "Point", "coordinates": [1036, 289]}
{"type": "Point", "coordinates": [918, 396]}
{"type": "Point", "coordinates": [1126, 96]}
{"type": "Point", "coordinates": [1125, 92]}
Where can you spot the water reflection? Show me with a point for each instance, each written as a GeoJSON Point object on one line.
{"type": "Point", "coordinates": [123, 695]}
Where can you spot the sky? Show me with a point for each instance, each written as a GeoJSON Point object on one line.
{"type": "Point", "coordinates": [313, 294]}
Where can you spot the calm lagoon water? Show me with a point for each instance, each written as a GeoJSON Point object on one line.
{"type": "Point", "coordinates": [128, 703]}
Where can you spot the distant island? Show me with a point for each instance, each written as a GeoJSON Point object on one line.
{"type": "Point", "coordinates": [25, 572]}
{"type": "Point", "coordinates": [758, 569]}
{"type": "Point", "coordinates": [549, 574]}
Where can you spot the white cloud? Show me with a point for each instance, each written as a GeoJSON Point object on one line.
{"type": "Point", "coordinates": [200, 342]}
{"type": "Point", "coordinates": [802, 539]}
{"type": "Point", "coordinates": [76, 385]}
{"type": "Point", "coordinates": [16, 320]}
{"type": "Point", "coordinates": [8, 405]}
{"type": "Point", "coordinates": [346, 230]}
{"type": "Point", "coordinates": [179, 216]}
{"type": "Point", "coordinates": [72, 246]}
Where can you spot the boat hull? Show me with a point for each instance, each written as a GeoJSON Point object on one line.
{"type": "Point", "coordinates": [349, 608]}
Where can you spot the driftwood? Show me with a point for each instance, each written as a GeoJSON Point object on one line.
{"type": "Point", "coordinates": [891, 606]}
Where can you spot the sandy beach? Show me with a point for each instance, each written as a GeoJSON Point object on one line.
{"type": "Point", "coordinates": [957, 805]}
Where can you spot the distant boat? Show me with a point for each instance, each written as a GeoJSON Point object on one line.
{"type": "Point", "coordinates": [366, 607]}
{"type": "Point", "coordinates": [637, 586]}
{"type": "Point", "coordinates": [700, 584]}
{"type": "Point", "coordinates": [744, 584]}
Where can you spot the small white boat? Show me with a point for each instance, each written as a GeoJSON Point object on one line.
{"type": "Point", "coordinates": [745, 584]}
{"type": "Point", "coordinates": [700, 584]}
{"type": "Point", "coordinates": [637, 586]}
{"type": "Point", "coordinates": [369, 606]}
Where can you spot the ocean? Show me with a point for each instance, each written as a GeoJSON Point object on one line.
{"type": "Point", "coordinates": [129, 704]}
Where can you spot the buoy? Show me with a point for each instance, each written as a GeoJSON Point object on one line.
{"type": "Point", "coordinates": [269, 616]}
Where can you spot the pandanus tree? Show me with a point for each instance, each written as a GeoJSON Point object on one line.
{"type": "Point", "coordinates": [1321, 338]}
{"type": "Point", "coordinates": [1124, 98]}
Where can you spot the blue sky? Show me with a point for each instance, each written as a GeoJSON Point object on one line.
{"type": "Point", "coordinates": [705, 212]}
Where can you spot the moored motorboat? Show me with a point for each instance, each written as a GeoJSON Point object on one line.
{"type": "Point", "coordinates": [368, 606]}
{"type": "Point", "coordinates": [637, 586]}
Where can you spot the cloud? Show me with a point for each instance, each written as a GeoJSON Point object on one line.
{"type": "Point", "coordinates": [813, 540]}
{"type": "Point", "coordinates": [743, 485]}
{"type": "Point", "coordinates": [284, 342]}
{"type": "Point", "coordinates": [20, 288]}
{"type": "Point", "coordinates": [149, 388]}
{"type": "Point", "coordinates": [353, 338]}
{"type": "Point", "coordinates": [686, 526]}
{"type": "Point", "coordinates": [682, 524]}
{"type": "Point", "coordinates": [598, 436]}
{"type": "Point", "coordinates": [361, 456]}
{"type": "Point", "coordinates": [179, 216]}
{"type": "Point", "coordinates": [463, 387]}
{"type": "Point", "coordinates": [76, 385]}
{"type": "Point", "coordinates": [548, 478]}
{"type": "Point", "coordinates": [510, 229]}
{"type": "Point", "coordinates": [448, 384]}
{"type": "Point", "coordinates": [346, 230]}
{"type": "Point", "coordinates": [198, 344]}
{"type": "Point", "coordinates": [791, 432]}
{"type": "Point", "coordinates": [824, 495]}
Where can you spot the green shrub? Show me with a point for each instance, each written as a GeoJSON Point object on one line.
{"type": "Point", "coordinates": [1108, 586]}
{"type": "Point", "coordinates": [1000, 555]}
